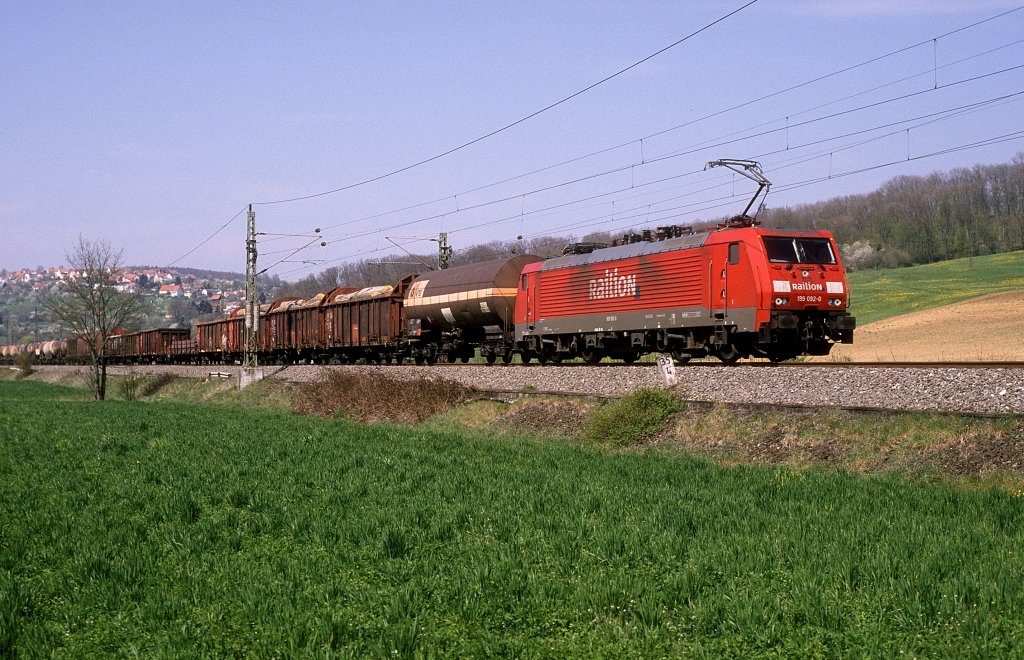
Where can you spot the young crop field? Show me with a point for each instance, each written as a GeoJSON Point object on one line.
{"type": "Point", "coordinates": [881, 294]}
{"type": "Point", "coordinates": [173, 529]}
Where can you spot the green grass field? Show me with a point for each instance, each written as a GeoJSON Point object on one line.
{"type": "Point", "coordinates": [174, 529]}
{"type": "Point", "coordinates": [880, 294]}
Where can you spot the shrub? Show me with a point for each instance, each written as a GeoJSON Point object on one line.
{"type": "Point", "coordinates": [632, 418]}
{"type": "Point", "coordinates": [129, 386]}
{"type": "Point", "coordinates": [24, 363]}
{"type": "Point", "coordinates": [369, 397]}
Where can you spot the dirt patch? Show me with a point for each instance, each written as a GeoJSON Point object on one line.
{"type": "Point", "coordinates": [863, 443]}
{"type": "Point", "coordinates": [782, 445]}
{"type": "Point", "coordinates": [738, 437]}
{"type": "Point", "coordinates": [565, 419]}
{"type": "Point", "coordinates": [989, 328]}
{"type": "Point", "coordinates": [984, 453]}
{"type": "Point", "coordinates": [368, 397]}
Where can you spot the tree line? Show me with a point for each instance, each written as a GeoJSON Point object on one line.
{"type": "Point", "coordinates": [913, 220]}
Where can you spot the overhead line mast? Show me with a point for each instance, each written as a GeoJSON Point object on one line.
{"type": "Point", "coordinates": [252, 305]}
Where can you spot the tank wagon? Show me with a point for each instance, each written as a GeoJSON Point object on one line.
{"type": "Point", "coordinates": [452, 313]}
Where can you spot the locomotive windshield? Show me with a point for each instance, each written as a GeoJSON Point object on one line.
{"type": "Point", "coordinates": [792, 250]}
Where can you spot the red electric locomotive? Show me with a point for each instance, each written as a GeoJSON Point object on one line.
{"type": "Point", "coordinates": [735, 292]}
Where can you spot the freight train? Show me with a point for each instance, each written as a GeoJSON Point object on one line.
{"type": "Point", "coordinates": [736, 291]}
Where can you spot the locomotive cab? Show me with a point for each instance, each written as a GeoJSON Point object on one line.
{"type": "Point", "coordinates": [807, 294]}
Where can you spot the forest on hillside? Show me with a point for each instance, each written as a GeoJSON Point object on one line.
{"type": "Point", "coordinates": [909, 220]}
{"type": "Point", "coordinates": [918, 220]}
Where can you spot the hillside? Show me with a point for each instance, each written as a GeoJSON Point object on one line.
{"type": "Point", "coordinates": [987, 328]}
{"type": "Point", "coordinates": [881, 294]}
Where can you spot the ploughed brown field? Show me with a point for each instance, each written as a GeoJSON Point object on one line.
{"type": "Point", "coordinates": [989, 328]}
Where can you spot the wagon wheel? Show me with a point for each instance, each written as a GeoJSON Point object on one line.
{"type": "Point", "coordinates": [630, 358]}
{"type": "Point", "coordinates": [464, 358]}
{"type": "Point", "coordinates": [431, 358]}
{"type": "Point", "coordinates": [449, 357]}
{"type": "Point", "coordinates": [526, 356]}
{"type": "Point", "coordinates": [542, 358]}
{"type": "Point", "coordinates": [556, 358]}
{"type": "Point", "coordinates": [507, 357]}
{"type": "Point", "coordinates": [590, 355]}
{"type": "Point", "coordinates": [490, 358]}
{"type": "Point", "coordinates": [419, 358]}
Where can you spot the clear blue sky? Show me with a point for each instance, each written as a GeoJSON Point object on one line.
{"type": "Point", "coordinates": [151, 124]}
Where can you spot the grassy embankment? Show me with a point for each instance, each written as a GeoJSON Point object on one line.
{"type": "Point", "coordinates": [170, 528]}
{"type": "Point", "coordinates": [881, 294]}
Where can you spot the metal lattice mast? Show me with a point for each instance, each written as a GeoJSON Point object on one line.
{"type": "Point", "coordinates": [444, 251]}
{"type": "Point", "coordinates": [252, 305]}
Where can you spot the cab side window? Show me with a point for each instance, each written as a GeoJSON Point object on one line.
{"type": "Point", "coordinates": [734, 253]}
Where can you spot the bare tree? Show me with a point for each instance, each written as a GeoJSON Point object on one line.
{"type": "Point", "coordinates": [90, 308]}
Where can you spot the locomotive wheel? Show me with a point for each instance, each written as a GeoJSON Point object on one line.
{"type": "Point", "coordinates": [728, 353]}
{"type": "Point", "coordinates": [432, 358]}
{"type": "Point", "coordinates": [418, 359]}
{"type": "Point", "coordinates": [526, 357]}
{"type": "Point", "coordinates": [507, 358]}
{"type": "Point", "coordinates": [681, 358]}
{"type": "Point", "coordinates": [777, 357]}
{"type": "Point", "coordinates": [449, 357]}
{"type": "Point", "coordinates": [464, 358]}
{"type": "Point", "coordinates": [490, 358]}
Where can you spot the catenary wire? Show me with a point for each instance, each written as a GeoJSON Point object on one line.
{"type": "Point", "coordinates": [726, 110]}
{"type": "Point", "coordinates": [516, 122]}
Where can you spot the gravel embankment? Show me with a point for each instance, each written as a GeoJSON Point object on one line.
{"type": "Point", "coordinates": [986, 391]}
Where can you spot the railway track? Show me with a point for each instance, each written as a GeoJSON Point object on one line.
{"type": "Point", "coordinates": [757, 364]}
{"type": "Point", "coordinates": [988, 388]}
{"type": "Point", "coordinates": [873, 365]}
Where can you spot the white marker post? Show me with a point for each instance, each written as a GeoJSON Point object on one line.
{"type": "Point", "coordinates": [667, 369]}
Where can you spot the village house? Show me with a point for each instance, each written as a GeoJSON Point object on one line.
{"type": "Point", "coordinates": [170, 290]}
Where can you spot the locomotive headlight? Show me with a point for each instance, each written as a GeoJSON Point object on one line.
{"type": "Point", "coordinates": [835, 302]}
{"type": "Point", "coordinates": [781, 301]}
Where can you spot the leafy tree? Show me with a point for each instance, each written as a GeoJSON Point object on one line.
{"type": "Point", "coordinates": [89, 307]}
{"type": "Point", "coordinates": [182, 310]}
